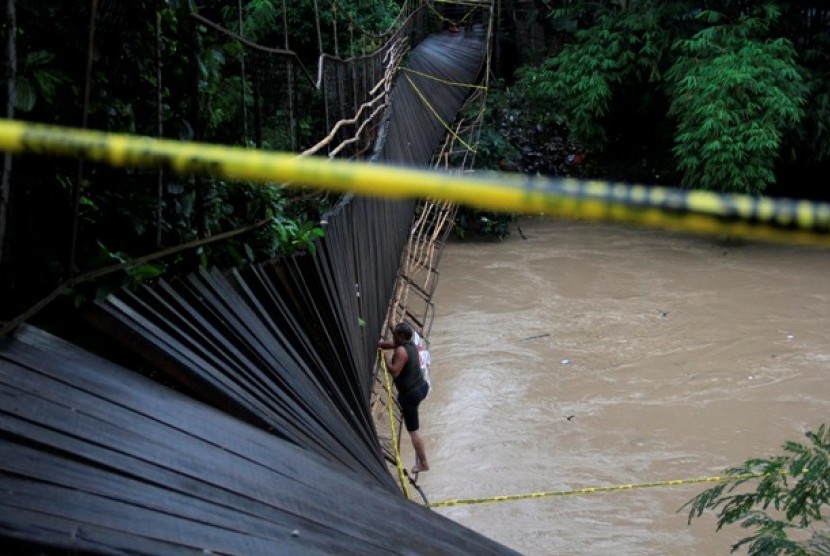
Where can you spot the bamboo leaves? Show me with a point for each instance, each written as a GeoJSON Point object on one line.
{"type": "Point", "coordinates": [796, 486]}
{"type": "Point", "coordinates": [733, 96]}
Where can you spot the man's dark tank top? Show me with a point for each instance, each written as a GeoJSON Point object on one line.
{"type": "Point", "coordinates": [410, 376]}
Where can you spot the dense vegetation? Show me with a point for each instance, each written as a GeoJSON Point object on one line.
{"type": "Point", "coordinates": [713, 95]}
{"type": "Point", "coordinates": [151, 68]}
{"type": "Point", "coordinates": [721, 95]}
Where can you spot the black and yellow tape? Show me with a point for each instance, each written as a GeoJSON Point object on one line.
{"type": "Point", "coordinates": [781, 220]}
{"type": "Point", "coordinates": [592, 490]}
{"type": "Point", "coordinates": [396, 445]}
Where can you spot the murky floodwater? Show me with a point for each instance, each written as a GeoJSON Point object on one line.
{"type": "Point", "coordinates": [593, 355]}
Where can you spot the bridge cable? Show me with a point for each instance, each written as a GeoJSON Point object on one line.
{"type": "Point", "coordinates": [437, 116]}
{"type": "Point", "coordinates": [390, 401]}
{"type": "Point", "coordinates": [592, 490]}
{"type": "Point", "coordinates": [444, 81]}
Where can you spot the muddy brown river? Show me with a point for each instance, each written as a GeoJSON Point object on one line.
{"type": "Point", "coordinates": [596, 355]}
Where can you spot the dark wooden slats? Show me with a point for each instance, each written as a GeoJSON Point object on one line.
{"type": "Point", "coordinates": [414, 131]}
{"type": "Point", "coordinates": [99, 459]}
{"type": "Point", "coordinates": [267, 306]}
{"type": "Point", "coordinates": [287, 343]}
{"type": "Point", "coordinates": [56, 533]}
{"type": "Point", "coordinates": [208, 336]}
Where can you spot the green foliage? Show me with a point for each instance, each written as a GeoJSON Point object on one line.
{"type": "Point", "coordinates": [470, 222]}
{"type": "Point", "coordinates": [260, 18]}
{"type": "Point", "coordinates": [577, 83]}
{"type": "Point", "coordinates": [136, 275]}
{"type": "Point", "coordinates": [494, 151]}
{"type": "Point", "coordinates": [814, 135]}
{"type": "Point", "coordinates": [791, 491]}
{"type": "Point", "coordinates": [358, 24]}
{"type": "Point", "coordinates": [738, 89]}
{"type": "Point", "coordinates": [361, 24]}
{"type": "Point", "coordinates": [293, 235]}
{"type": "Point", "coordinates": [735, 93]}
{"type": "Point", "coordinates": [227, 206]}
{"type": "Point", "coordinates": [155, 70]}
{"type": "Point", "coordinates": [233, 205]}
{"type": "Point", "coordinates": [37, 80]}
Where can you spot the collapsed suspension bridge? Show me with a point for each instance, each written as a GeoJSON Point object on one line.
{"type": "Point", "coordinates": [250, 425]}
{"type": "Point", "coordinates": [245, 423]}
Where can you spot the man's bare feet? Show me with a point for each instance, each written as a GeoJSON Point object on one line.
{"type": "Point", "coordinates": [418, 467]}
{"type": "Point", "coordinates": [420, 453]}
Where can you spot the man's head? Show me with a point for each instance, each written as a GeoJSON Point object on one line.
{"type": "Point", "coordinates": [402, 333]}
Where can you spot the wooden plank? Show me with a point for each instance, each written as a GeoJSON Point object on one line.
{"type": "Point", "coordinates": [77, 447]}
{"type": "Point", "coordinates": [213, 372]}
{"type": "Point", "coordinates": [18, 526]}
{"type": "Point", "coordinates": [90, 513]}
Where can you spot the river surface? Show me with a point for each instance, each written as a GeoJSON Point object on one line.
{"type": "Point", "coordinates": [595, 355]}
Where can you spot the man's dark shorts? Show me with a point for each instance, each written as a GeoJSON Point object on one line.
{"type": "Point", "coordinates": [409, 405]}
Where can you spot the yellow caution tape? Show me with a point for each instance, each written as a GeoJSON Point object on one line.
{"type": "Point", "coordinates": [593, 490]}
{"type": "Point", "coordinates": [783, 220]}
{"type": "Point", "coordinates": [390, 402]}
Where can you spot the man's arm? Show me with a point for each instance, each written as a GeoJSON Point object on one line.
{"type": "Point", "coordinates": [399, 359]}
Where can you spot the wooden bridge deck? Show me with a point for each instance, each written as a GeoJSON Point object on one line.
{"type": "Point", "coordinates": [279, 455]}
{"type": "Point", "coordinates": [426, 99]}
{"type": "Point", "coordinates": [97, 459]}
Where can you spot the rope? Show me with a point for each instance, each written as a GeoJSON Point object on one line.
{"type": "Point", "coordinates": [414, 483]}
{"type": "Point", "coordinates": [592, 490]}
{"type": "Point", "coordinates": [402, 475]}
{"type": "Point", "coordinates": [438, 116]}
{"type": "Point", "coordinates": [757, 218]}
{"type": "Point", "coordinates": [444, 81]}
{"type": "Point", "coordinates": [466, 16]}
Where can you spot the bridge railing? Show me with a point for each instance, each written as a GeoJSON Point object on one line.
{"type": "Point", "coordinates": [296, 108]}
